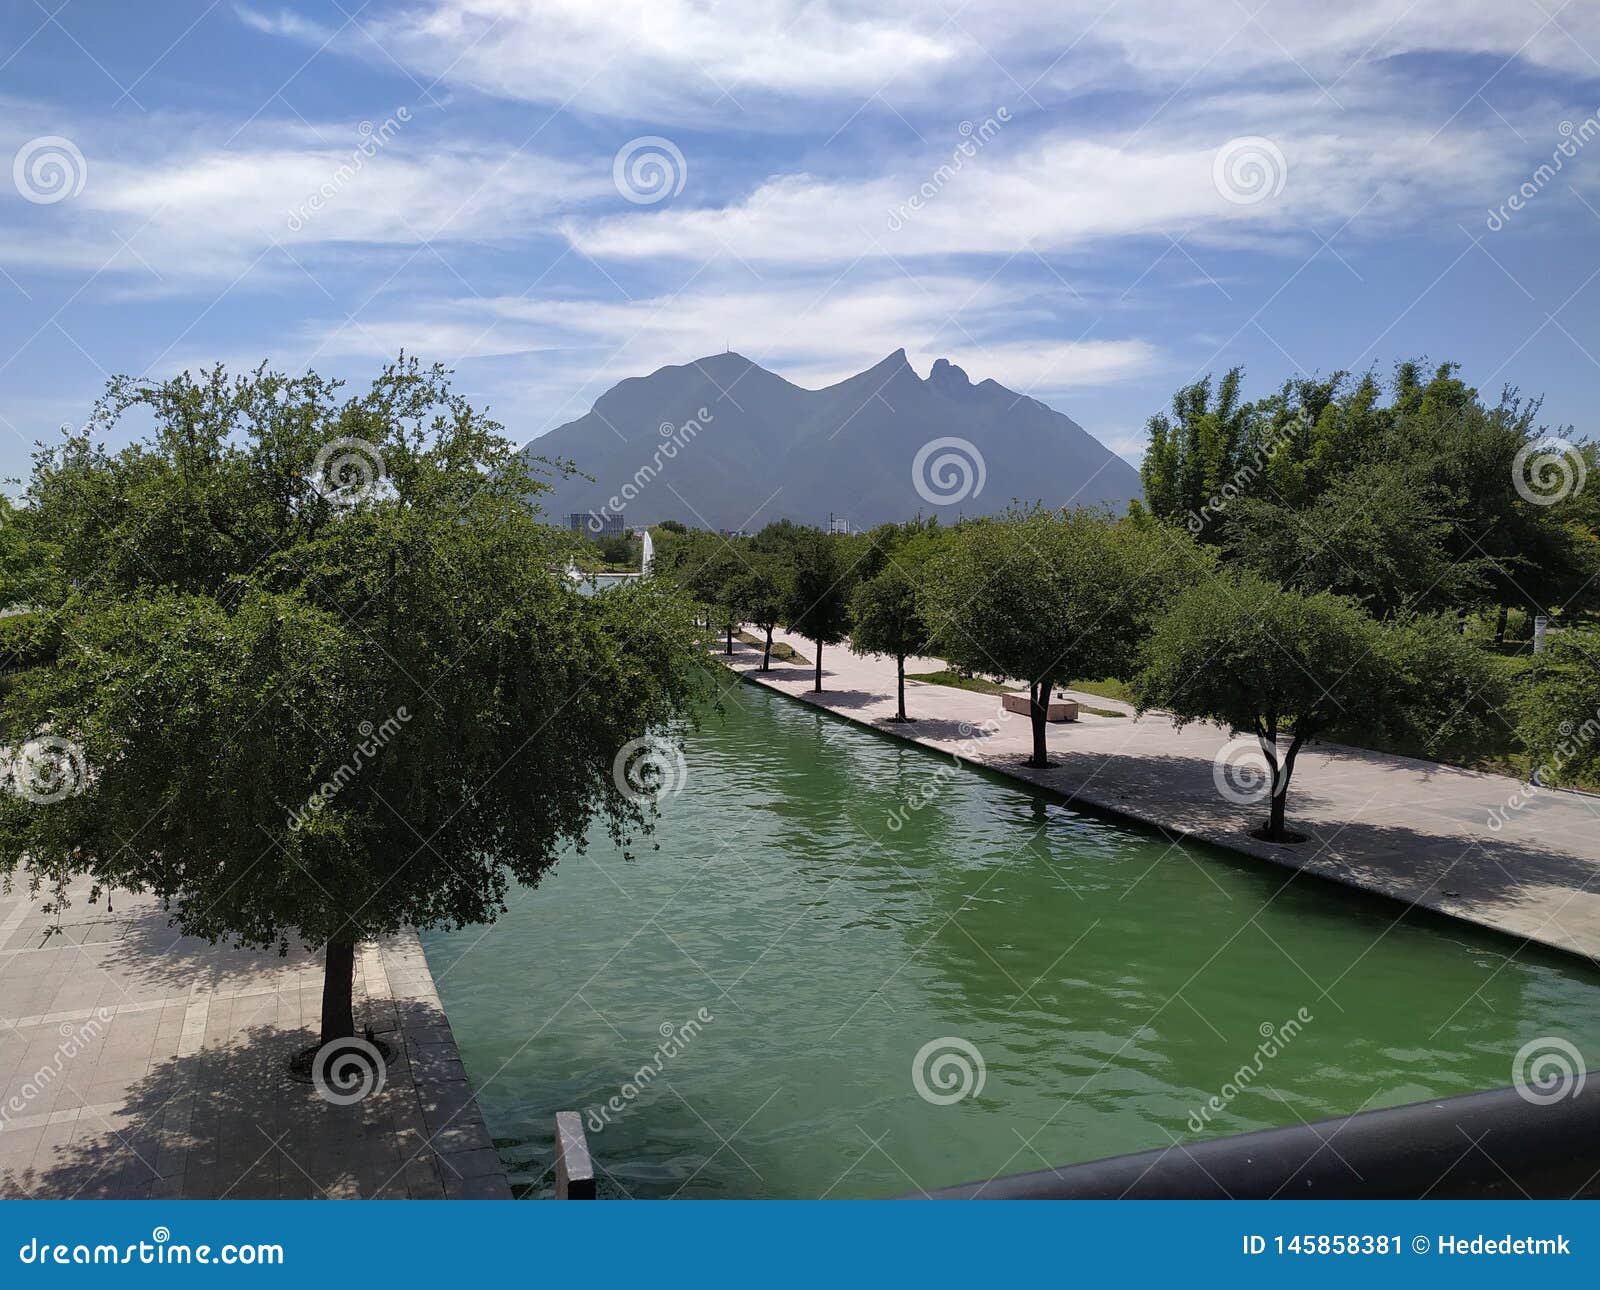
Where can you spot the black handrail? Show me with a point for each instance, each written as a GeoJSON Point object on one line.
{"type": "Point", "coordinates": [1508, 1143]}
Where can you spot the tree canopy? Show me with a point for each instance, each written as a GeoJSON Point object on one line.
{"type": "Point", "coordinates": [886, 618]}
{"type": "Point", "coordinates": [1415, 497]}
{"type": "Point", "coordinates": [1558, 709]}
{"type": "Point", "coordinates": [1044, 596]}
{"type": "Point", "coordinates": [1268, 662]}
{"type": "Point", "coordinates": [757, 596]}
{"type": "Point", "coordinates": [320, 666]}
{"type": "Point", "coordinates": [817, 592]}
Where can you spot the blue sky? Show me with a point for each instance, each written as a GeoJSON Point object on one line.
{"type": "Point", "coordinates": [1090, 202]}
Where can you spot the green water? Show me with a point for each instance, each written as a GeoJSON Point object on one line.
{"type": "Point", "coordinates": [1111, 983]}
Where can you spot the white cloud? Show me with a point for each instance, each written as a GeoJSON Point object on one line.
{"type": "Point", "coordinates": [285, 23]}
{"type": "Point", "coordinates": [743, 61]}
{"type": "Point", "coordinates": [1130, 445]}
{"type": "Point", "coordinates": [1313, 40]}
{"type": "Point", "coordinates": [201, 210]}
{"type": "Point", "coordinates": [1065, 192]}
{"type": "Point", "coordinates": [666, 59]}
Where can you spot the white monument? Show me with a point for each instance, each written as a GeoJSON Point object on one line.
{"type": "Point", "coordinates": [649, 556]}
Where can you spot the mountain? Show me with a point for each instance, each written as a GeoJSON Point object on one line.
{"type": "Point", "coordinates": [723, 443]}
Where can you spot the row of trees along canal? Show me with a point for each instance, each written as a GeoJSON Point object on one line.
{"type": "Point", "coordinates": [1341, 558]}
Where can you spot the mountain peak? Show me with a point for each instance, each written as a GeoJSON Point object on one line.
{"type": "Point", "coordinates": [727, 358]}
{"type": "Point", "coordinates": [948, 377]}
{"type": "Point", "coordinates": [784, 451]}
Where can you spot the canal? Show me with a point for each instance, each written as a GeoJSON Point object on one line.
{"type": "Point", "coordinates": [799, 934]}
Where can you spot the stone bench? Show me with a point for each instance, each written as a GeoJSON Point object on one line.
{"type": "Point", "coordinates": [1057, 710]}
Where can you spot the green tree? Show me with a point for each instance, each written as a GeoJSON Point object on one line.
{"type": "Point", "coordinates": [617, 550]}
{"type": "Point", "coordinates": [321, 676]}
{"type": "Point", "coordinates": [704, 565]}
{"type": "Point", "coordinates": [757, 596]}
{"type": "Point", "coordinates": [1416, 504]}
{"type": "Point", "coordinates": [717, 585]}
{"type": "Point", "coordinates": [27, 640]}
{"type": "Point", "coordinates": [885, 619]}
{"type": "Point", "coordinates": [1558, 710]}
{"type": "Point", "coordinates": [1380, 535]}
{"type": "Point", "coordinates": [780, 537]}
{"type": "Point", "coordinates": [27, 562]}
{"type": "Point", "coordinates": [1271, 662]}
{"type": "Point", "coordinates": [1042, 597]}
{"type": "Point", "coordinates": [1193, 453]}
{"type": "Point", "coordinates": [817, 596]}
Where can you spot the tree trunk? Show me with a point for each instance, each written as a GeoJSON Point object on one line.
{"type": "Point", "coordinates": [338, 982]}
{"type": "Point", "coordinates": [729, 650]}
{"type": "Point", "coordinates": [1038, 706]}
{"type": "Point", "coordinates": [1281, 773]}
{"type": "Point", "coordinates": [1500, 628]}
{"type": "Point", "coordinates": [900, 680]}
{"type": "Point", "coordinates": [817, 686]}
{"type": "Point", "coordinates": [766, 653]}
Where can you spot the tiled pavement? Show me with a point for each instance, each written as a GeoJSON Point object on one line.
{"type": "Point", "coordinates": [1416, 831]}
{"type": "Point", "coordinates": [137, 1063]}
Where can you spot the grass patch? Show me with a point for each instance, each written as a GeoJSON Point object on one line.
{"type": "Point", "coordinates": [959, 682]}
{"type": "Point", "coordinates": [1110, 688]}
{"type": "Point", "coordinates": [783, 653]}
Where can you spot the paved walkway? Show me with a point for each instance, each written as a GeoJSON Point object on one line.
{"type": "Point", "coordinates": [136, 1063]}
{"type": "Point", "coordinates": [1412, 830]}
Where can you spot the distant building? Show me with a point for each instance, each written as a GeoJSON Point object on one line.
{"type": "Point", "coordinates": [838, 524]}
{"type": "Point", "coordinates": [595, 524]}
